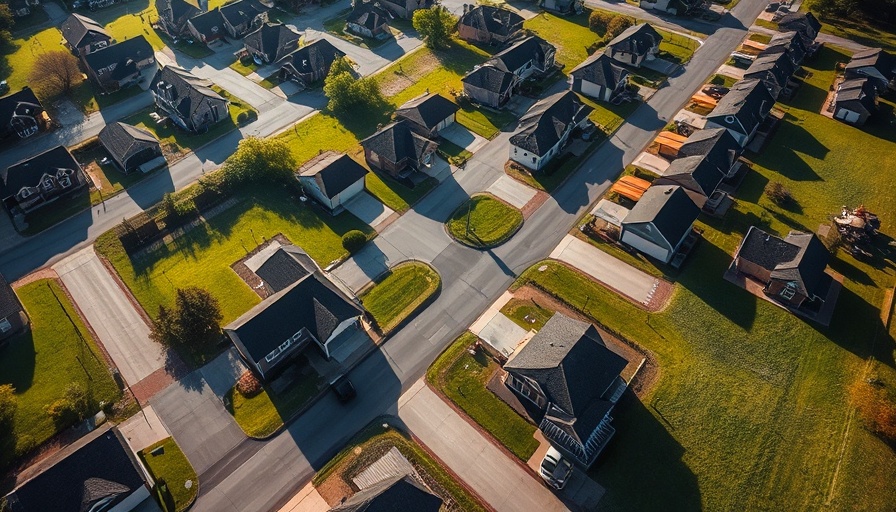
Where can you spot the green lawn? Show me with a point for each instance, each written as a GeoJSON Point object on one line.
{"type": "Point", "coordinates": [455, 154]}
{"type": "Point", "coordinates": [484, 221]}
{"type": "Point", "coordinates": [57, 352]}
{"type": "Point", "coordinates": [869, 33]}
{"type": "Point", "coordinates": [723, 80]}
{"type": "Point", "coordinates": [676, 47]}
{"type": "Point", "coordinates": [554, 174]}
{"type": "Point", "coordinates": [462, 378]}
{"type": "Point", "coordinates": [569, 34]}
{"type": "Point", "coordinates": [15, 66]}
{"type": "Point", "coordinates": [244, 69]}
{"type": "Point", "coordinates": [395, 195]}
{"type": "Point", "coordinates": [528, 314]}
{"type": "Point", "coordinates": [203, 256]}
{"type": "Point", "coordinates": [171, 465]}
{"type": "Point", "coordinates": [261, 415]}
{"type": "Point", "coordinates": [760, 38]}
{"type": "Point", "coordinates": [399, 293]}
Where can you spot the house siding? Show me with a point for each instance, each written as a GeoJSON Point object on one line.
{"type": "Point", "coordinates": [648, 246]}
{"type": "Point", "coordinates": [310, 186]}
{"type": "Point", "coordinates": [484, 96]}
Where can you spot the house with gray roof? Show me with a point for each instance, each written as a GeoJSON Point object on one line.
{"type": "Point", "coordinates": [128, 146]}
{"type": "Point", "coordinates": [207, 26]}
{"type": "Point", "coordinates": [81, 32]}
{"type": "Point", "coordinates": [530, 56]}
{"type": "Point", "coordinates": [855, 101]}
{"type": "Point", "coordinates": [792, 269]}
{"type": "Point", "coordinates": [715, 143]}
{"type": "Point", "coordinates": [396, 493]}
{"type": "Point", "coordinates": [13, 318]}
{"type": "Point", "coordinates": [599, 78]}
{"type": "Point", "coordinates": [742, 110]}
{"type": "Point", "coordinates": [405, 8]}
{"type": "Point", "coordinates": [398, 150]}
{"type": "Point", "coordinates": [120, 65]}
{"type": "Point", "coordinates": [490, 86]}
{"type": "Point", "coordinates": [775, 71]}
{"type": "Point", "coordinates": [874, 64]}
{"type": "Point", "coordinates": [271, 42]}
{"type": "Point", "coordinates": [635, 45]}
{"type": "Point", "coordinates": [40, 180]}
{"type": "Point", "coordinates": [805, 23]}
{"type": "Point", "coordinates": [21, 115]}
{"type": "Point", "coordinates": [428, 114]}
{"type": "Point", "coordinates": [790, 43]}
{"type": "Point", "coordinates": [243, 17]}
{"type": "Point", "coordinates": [660, 222]}
{"type": "Point", "coordinates": [332, 180]}
{"type": "Point", "coordinates": [546, 127]}
{"type": "Point", "coordinates": [187, 100]}
{"type": "Point", "coordinates": [568, 379]}
{"type": "Point", "coordinates": [697, 175]}
{"type": "Point", "coordinates": [564, 6]}
{"type": "Point", "coordinates": [174, 15]}
{"type": "Point", "coordinates": [488, 24]}
{"type": "Point", "coordinates": [369, 19]}
{"type": "Point", "coordinates": [310, 64]}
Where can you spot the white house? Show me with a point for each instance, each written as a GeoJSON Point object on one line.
{"type": "Point", "coordinates": [660, 222]}
{"type": "Point", "coordinates": [546, 128]}
{"type": "Point", "coordinates": [332, 180]}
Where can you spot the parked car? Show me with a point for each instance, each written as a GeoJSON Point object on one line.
{"type": "Point", "coordinates": [4, 87]}
{"type": "Point", "coordinates": [715, 91]}
{"type": "Point", "coordinates": [555, 470]}
{"type": "Point", "coordinates": [772, 7]}
{"type": "Point", "coordinates": [344, 389]}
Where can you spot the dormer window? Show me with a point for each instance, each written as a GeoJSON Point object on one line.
{"type": "Point", "coordinates": [789, 290]}
{"type": "Point", "coordinates": [25, 193]}
{"type": "Point", "coordinates": [65, 182]}
{"type": "Point", "coordinates": [48, 184]}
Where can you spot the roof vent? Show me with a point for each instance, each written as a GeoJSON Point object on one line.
{"type": "Point", "coordinates": [668, 191]}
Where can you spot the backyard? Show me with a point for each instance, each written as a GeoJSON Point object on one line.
{"type": "Point", "coordinates": [57, 353]}
{"type": "Point", "coordinates": [261, 415]}
{"type": "Point", "coordinates": [484, 221]}
{"type": "Point", "coordinates": [166, 461]}
{"type": "Point", "coordinates": [401, 291]}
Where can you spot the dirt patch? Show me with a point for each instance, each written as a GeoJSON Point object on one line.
{"type": "Point", "coordinates": [96, 176]}
{"type": "Point", "coordinates": [250, 278]}
{"type": "Point", "coordinates": [401, 79]}
{"type": "Point", "coordinates": [37, 275]}
{"type": "Point", "coordinates": [334, 490]}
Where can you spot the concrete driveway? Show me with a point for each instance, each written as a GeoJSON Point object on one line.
{"type": "Point", "coordinates": [512, 191]}
{"type": "Point", "coordinates": [367, 208]}
{"type": "Point", "coordinates": [459, 134]}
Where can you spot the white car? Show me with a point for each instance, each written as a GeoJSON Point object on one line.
{"type": "Point", "coordinates": [555, 469]}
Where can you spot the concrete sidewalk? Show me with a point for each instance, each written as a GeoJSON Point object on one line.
{"type": "Point", "coordinates": [500, 481]}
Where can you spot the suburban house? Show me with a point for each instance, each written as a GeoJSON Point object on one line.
{"type": "Point", "coordinates": [774, 70]}
{"type": "Point", "coordinates": [128, 146]}
{"type": "Point", "coordinates": [599, 78]}
{"type": "Point", "coordinates": [488, 24]}
{"type": "Point", "coordinates": [22, 115]}
{"type": "Point", "coordinates": [81, 32]}
{"type": "Point", "coordinates": [399, 151]}
{"type": "Point", "coordinates": [207, 26]}
{"type": "Point", "coordinates": [174, 15]}
{"type": "Point", "coordinates": [369, 19]}
{"type": "Point", "coordinates": [564, 6]}
{"type": "Point", "coordinates": [188, 101]}
{"type": "Point", "coordinates": [242, 17]}
{"type": "Point", "coordinates": [394, 493]}
{"type": "Point", "coordinates": [98, 472]}
{"type": "Point", "coordinates": [805, 23]}
{"type": "Point", "coordinates": [742, 110]}
{"type": "Point", "coordinates": [697, 175]}
{"type": "Point", "coordinates": [569, 379]}
{"type": "Point", "coordinates": [41, 179]}
{"type": "Point", "coordinates": [271, 42]}
{"type": "Point", "coordinates": [660, 222]}
{"type": "Point", "coordinates": [791, 268]}
{"type": "Point", "coordinates": [718, 145]}
{"type": "Point", "coordinates": [332, 180]}
{"type": "Point", "coordinates": [281, 266]}
{"type": "Point", "coordinates": [428, 114]}
{"type": "Point", "coordinates": [489, 86]}
{"type": "Point", "coordinates": [531, 56]}
{"type": "Point", "coordinates": [310, 63]}
{"type": "Point", "coordinates": [635, 45]}
{"type": "Point", "coordinates": [545, 128]}
{"type": "Point", "coordinates": [855, 101]}
{"type": "Point", "coordinates": [311, 310]}
{"type": "Point", "coordinates": [405, 8]}
{"type": "Point", "coordinates": [119, 65]}
{"type": "Point", "coordinates": [790, 43]}
{"type": "Point", "coordinates": [12, 315]}
{"type": "Point", "coordinates": [876, 65]}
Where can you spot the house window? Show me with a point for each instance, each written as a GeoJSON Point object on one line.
{"type": "Point", "coordinates": [273, 355]}
{"type": "Point", "coordinates": [25, 193]}
{"type": "Point", "coordinates": [5, 326]}
{"type": "Point", "coordinates": [534, 159]}
{"type": "Point", "coordinates": [789, 291]}
{"type": "Point", "coordinates": [48, 184]}
{"type": "Point", "coordinates": [65, 182]}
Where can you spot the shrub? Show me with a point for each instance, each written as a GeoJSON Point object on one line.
{"type": "Point", "coordinates": [8, 406]}
{"type": "Point", "coordinates": [74, 406]}
{"type": "Point", "coordinates": [617, 25]}
{"type": "Point", "coordinates": [778, 194]}
{"type": "Point", "coordinates": [248, 385]}
{"type": "Point", "coordinates": [598, 21]}
{"type": "Point", "coordinates": [876, 408]}
{"type": "Point", "coordinates": [242, 117]}
{"type": "Point", "coordinates": [353, 241]}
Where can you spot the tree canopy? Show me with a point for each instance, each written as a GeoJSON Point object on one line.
{"type": "Point", "coordinates": [345, 90]}
{"type": "Point", "coordinates": [435, 25]}
{"type": "Point", "coordinates": [193, 323]}
{"type": "Point", "coordinates": [258, 160]}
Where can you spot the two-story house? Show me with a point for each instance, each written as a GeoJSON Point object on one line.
{"type": "Point", "coordinates": [545, 129]}
{"type": "Point", "coordinates": [488, 24]}
{"type": "Point", "coordinates": [81, 32]}
{"type": "Point", "coordinates": [398, 150]}
{"type": "Point", "coordinates": [243, 17]}
{"type": "Point", "coordinates": [599, 78]}
{"type": "Point", "coordinates": [530, 56]}
{"type": "Point", "coordinates": [174, 15]}
{"type": "Point", "coordinates": [271, 42]}
{"type": "Point", "coordinates": [635, 45]}
{"type": "Point", "coordinates": [40, 180]}
{"type": "Point", "coordinates": [742, 110]}
{"type": "Point", "coordinates": [310, 64]}
{"type": "Point", "coordinates": [22, 115]}
{"type": "Point", "coordinates": [189, 101]}
{"type": "Point", "coordinates": [119, 66]}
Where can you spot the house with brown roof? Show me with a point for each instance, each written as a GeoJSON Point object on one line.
{"type": "Point", "coordinates": [398, 150]}
{"type": "Point", "coordinates": [128, 146]}
{"type": "Point", "coordinates": [530, 56]}
{"type": "Point", "coordinates": [874, 64]}
{"type": "Point", "coordinates": [488, 24]}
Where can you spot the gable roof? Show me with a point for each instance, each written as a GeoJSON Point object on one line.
{"type": "Point", "coordinates": [873, 57]}
{"type": "Point", "coordinates": [800, 258]}
{"type": "Point", "coordinates": [285, 266]}
{"type": "Point", "coordinates": [803, 22]}
{"type": "Point", "coordinates": [542, 126]}
{"type": "Point", "coordinates": [397, 141]}
{"type": "Point", "coordinates": [22, 103]}
{"type": "Point", "coordinates": [123, 55]}
{"type": "Point", "coordinates": [335, 174]}
{"type": "Point", "coordinates": [370, 15]}
{"type": "Point", "coordinates": [209, 24]}
{"type": "Point", "coordinates": [274, 40]}
{"type": "Point", "coordinates": [637, 39]}
{"type": "Point", "coordinates": [312, 303]}
{"type": "Point", "coordinates": [9, 302]}
{"type": "Point", "coordinates": [668, 208]}
{"type": "Point", "coordinates": [95, 468]}
{"type": "Point", "coordinates": [178, 11]}
{"type": "Point", "coordinates": [428, 110]}
{"type": "Point", "coordinates": [776, 68]}
{"type": "Point", "coordinates": [599, 69]}
{"type": "Point", "coordinates": [490, 78]}
{"type": "Point", "coordinates": [241, 12]}
{"type": "Point", "coordinates": [393, 494]}
{"type": "Point", "coordinates": [124, 140]}
{"type": "Point", "coordinates": [716, 144]}
{"type": "Point", "coordinates": [857, 90]}
{"type": "Point", "coordinates": [704, 173]}
{"type": "Point", "coordinates": [27, 173]}
{"type": "Point", "coordinates": [516, 56]}
{"type": "Point", "coordinates": [189, 91]}
{"type": "Point", "coordinates": [492, 19]}
{"type": "Point", "coordinates": [76, 29]}
{"type": "Point", "coordinates": [748, 100]}
{"type": "Point", "coordinates": [315, 56]}
{"type": "Point", "coordinates": [786, 42]}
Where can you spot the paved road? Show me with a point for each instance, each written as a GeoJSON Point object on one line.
{"type": "Point", "coordinates": [107, 309]}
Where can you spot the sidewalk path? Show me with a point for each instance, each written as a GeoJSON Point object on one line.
{"type": "Point", "coordinates": [500, 481]}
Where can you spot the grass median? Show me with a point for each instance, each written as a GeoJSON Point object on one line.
{"type": "Point", "coordinates": [398, 293]}
{"type": "Point", "coordinates": [484, 221]}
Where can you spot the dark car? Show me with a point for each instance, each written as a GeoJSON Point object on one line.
{"type": "Point", "coordinates": [772, 7]}
{"type": "Point", "coordinates": [344, 389]}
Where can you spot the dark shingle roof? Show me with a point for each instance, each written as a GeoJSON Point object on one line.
{"type": "Point", "coordinates": [543, 125]}
{"type": "Point", "coordinates": [209, 24]}
{"type": "Point", "coordinates": [873, 57]}
{"type": "Point", "coordinates": [397, 141]}
{"type": "Point", "coordinates": [428, 110]}
{"type": "Point", "coordinates": [494, 20]}
{"type": "Point", "coordinates": [189, 90]}
{"type": "Point", "coordinates": [124, 141]}
{"type": "Point", "coordinates": [312, 303]}
{"type": "Point", "coordinates": [717, 144]}
{"type": "Point", "coordinates": [22, 103]}
{"type": "Point", "coordinates": [274, 40]}
{"type": "Point", "coordinates": [285, 266]}
{"type": "Point", "coordinates": [314, 56]}
{"type": "Point", "coordinates": [369, 14]}
{"type": "Point", "coordinates": [800, 257]}
{"type": "Point", "coordinates": [238, 13]}
{"type": "Point", "coordinates": [803, 22]}
{"type": "Point", "coordinates": [9, 303]}
{"type": "Point", "coordinates": [95, 468]}
{"type": "Point", "coordinates": [123, 55]}
{"type": "Point", "coordinates": [335, 174]}
{"type": "Point", "coordinates": [776, 68]}
{"type": "Point", "coordinates": [855, 91]}
{"type": "Point", "coordinates": [27, 173]}
{"type": "Point", "coordinates": [668, 208]}
{"type": "Point", "coordinates": [489, 78]}
{"type": "Point", "coordinates": [394, 494]}
{"type": "Point", "coordinates": [704, 173]}
{"type": "Point", "coordinates": [80, 31]}
{"type": "Point", "coordinates": [515, 57]}
{"type": "Point", "coordinates": [599, 69]}
{"type": "Point", "coordinates": [748, 100]}
{"type": "Point", "coordinates": [638, 39]}
{"type": "Point", "coordinates": [177, 11]}
{"type": "Point", "coordinates": [786, 42]}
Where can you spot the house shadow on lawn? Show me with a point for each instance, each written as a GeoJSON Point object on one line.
{"type": "Point", "coordinates": [856, 326]}
{"type": "Point", "coordinates": [785, 157]}
{"type": "Point", "coordinates": [17, 360]}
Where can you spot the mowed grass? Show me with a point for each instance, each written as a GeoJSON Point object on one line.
{"type": "Point", "coordinates": [261, 415]}
{"type": "Point", "coordinates": [397, 294]}
{"type": "Point", "coordinates": [463, 377]}
{"type": "Point", "coordinates": [484, 221]}
{"type": "Point", "coordinates": [528, 314]}
{"type": "Point", "coordinates": [203, 256]}
{"type": "Point", "coordinates": [16, 66]}
{"type": "Point", "coordinates": [569, 34]}
{"type": "Point", "coordinates": [171, 465]}
{"type": "Point", "coordinates": [57, 352]}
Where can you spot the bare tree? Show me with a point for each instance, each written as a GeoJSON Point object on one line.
{"type": "Point", "coordinates": [55, 72]}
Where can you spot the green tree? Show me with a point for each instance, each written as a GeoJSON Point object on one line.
{"type": "Point", "coordinates": [257, 160]}
{"type": "Point", "coordinates": [194, 322]}
{"type": "Point", "coordinates": [8, 406]}
{"type": "Point", "coordinates": [435, 25]}
{"type": "Point", "coordinates": [345, 90]}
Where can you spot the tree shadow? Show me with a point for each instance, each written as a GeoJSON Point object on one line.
{"type": "Point", "coordinates": [17, 361]}
{"type": "Point", "coordinates": [856, 326]}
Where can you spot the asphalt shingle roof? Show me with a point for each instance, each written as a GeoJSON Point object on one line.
{"type": "Point", "coordinates": [314, 56]}
{"type": "Point", "coordinates": [543, 125]}
{"type": "Point", "coordinates": [177, 12]}
{"type": "Point", "coordinates": [28, 172]}
{"type": "Point", "coordinates": [748, 100]}
{"type": "Point", "coordinates": [803, 22]}
{"type": "Point", "coordinates": [717, 144]}
{"type": "Point", "coordinates": [22, 103]}
{"type": "Point", "coordinates": [370, 15]}
{"type": "Point", "coordinates": [532, 48]}
{"type": "Point", "coordinates": [490, 78]}
{"type": "Point", "coordinates": [668, 208]}
{"type": "Point", "coordinates": [209, 24]}
{"type": "Point", "coordinates": [799, 257]}
{"type": "Point", "coordinates": [80, 31]}
{"type": "Point", "coordinates": [9, 303]}
{"type": "Point", "coordinates": [776, 68]}
{"type": "Point", "coordinates": [274, 40]}
{"type": "Point", "coordinates": [123, 55]}
{"type": "Point", "coordinates": [335, 174]}
{"type": "Point", "coordinates": [397, 141]}
{"type": "Point", "coordinates": [637, 39]}
{"type": "Point", "coordinates": [189, 90]}
{"type": "Point", "coordinates": [704, 173]}
{"type": "Point", "coordinates": [124, 141]}
{"type": "Point", "coordinates": [394, 494]}
{"type": "Point", "coordinates": [428, 110]}
{"type": "Point", "coordinates": [494, 20]}
{"type": "Point", "coordinates": [242, 12]}
{"type": "Point", "coordinates": [285, 266]}
{"type": "Point", "coordinates": [789, 42]}
{"type": "Point", "coordinates": [599, 69]}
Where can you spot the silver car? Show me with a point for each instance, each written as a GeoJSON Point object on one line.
{"type": "Point", "coordinates": [555, 469]}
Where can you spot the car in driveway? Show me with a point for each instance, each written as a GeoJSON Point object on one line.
{"type": "Point", "coordinates": [343, 389]}
{"type": "Point", "coordinates": [555, 470]}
